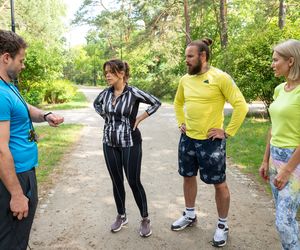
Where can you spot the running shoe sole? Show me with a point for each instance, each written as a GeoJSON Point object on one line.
{"type": "Point", "coordinates": [220, 243]}
{"type": "Point", "coordinates": [174, 228]}
{"type": "Point", "coordinates": [146, 235]}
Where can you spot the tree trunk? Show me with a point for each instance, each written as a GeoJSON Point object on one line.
{"type": "Point", "coordinates": [281, 19]}
{"type": "Point", "coordinates": [223, 23]}
{"type": "Point", "coordinates": [187, 22]}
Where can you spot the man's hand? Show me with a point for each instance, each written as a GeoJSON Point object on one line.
{"type": "Point", "coordinates": [19, 206]}
{"type": "Point", "coordinates": [264, 171]}
{"type": "Point", "coordinates": [216, 133]}
{"type": "Point", "coordinates": [54, 120]}
{"type": "Point", "coordinates": [182, 128]}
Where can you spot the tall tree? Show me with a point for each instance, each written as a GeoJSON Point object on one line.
{"type": "Point", "coordinates": [282, 13]}
{"type": "Point", "coordinates": [187, 23]}
{"type": "Point", "coordinates": [154, 34]}
{"type": "Point", "coordinates": [223, 23]}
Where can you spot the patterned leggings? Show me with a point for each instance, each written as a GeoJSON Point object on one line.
{"type": "Point", "coordinates": [287, 200]}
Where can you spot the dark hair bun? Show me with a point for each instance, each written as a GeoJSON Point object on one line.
{"type": "Point", "coordinates": [126, 70]}
{"type": "Point", "coordinates": [207, 41]}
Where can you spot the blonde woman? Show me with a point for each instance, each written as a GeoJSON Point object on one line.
{"type": "Point", "coordinates": [281, 163]}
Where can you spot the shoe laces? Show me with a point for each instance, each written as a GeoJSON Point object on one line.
{"type": "Point", "coordinates": [121, 217]}
{"type": "Point", "coordinates": [145, 221]}
{"type": "Point", "coordinates": [182, 219]}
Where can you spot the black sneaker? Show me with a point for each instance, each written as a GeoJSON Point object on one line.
{"type": "Point", "coordinates": [183, 222]}
{"type": "Point", "coordinates": [221, 235]}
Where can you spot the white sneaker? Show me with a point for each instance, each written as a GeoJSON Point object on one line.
{"type": "Point", "coordinates": [221, 235]}
{"type": "Point", "coordinates": [183, 222]}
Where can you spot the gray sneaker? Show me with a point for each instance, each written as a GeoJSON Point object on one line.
{"type": "Point", "coordinates": [145, 228]}
{"type": "Point", "coordinates": [183, 222]}
{"type": "Point", "coordinates": [117, 225]}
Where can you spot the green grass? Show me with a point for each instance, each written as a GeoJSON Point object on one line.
{"type": "Point", "coordinates": [167, 100]}
{"type": "Point", "coordinates": [247, 147]}
{"type": "Point", "coordinates": [79, 101]}
{"type": "Point", "coordinates": [53, 143]}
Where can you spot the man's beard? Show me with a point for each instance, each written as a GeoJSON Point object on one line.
{"type": "Point", "coordinates": [196, 69]}
{"type": "Point", "coordinates": [12, 74]}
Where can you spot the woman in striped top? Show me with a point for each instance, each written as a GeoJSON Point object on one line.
{"type": "Point", "coordinates": [122, 142]}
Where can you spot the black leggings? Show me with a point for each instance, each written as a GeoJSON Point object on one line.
{"type": "Point", "coordinates": [130, 159]}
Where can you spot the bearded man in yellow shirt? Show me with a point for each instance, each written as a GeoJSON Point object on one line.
{"type": "Point", "coordinates": [199, 105]}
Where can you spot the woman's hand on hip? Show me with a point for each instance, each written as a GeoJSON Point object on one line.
{"type": "Point", "coordinates": [139, 118]}
{"type": "Point", "coordinates": [137, 121]}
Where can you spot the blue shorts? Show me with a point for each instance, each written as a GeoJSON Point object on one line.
{"type": "Point", "coordinates": [208, 156]}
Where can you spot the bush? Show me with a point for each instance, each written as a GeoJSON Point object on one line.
{"type": "Point", "coordinates": [33, 92]}
{"type": "Point", "coordinates": [59, 91]}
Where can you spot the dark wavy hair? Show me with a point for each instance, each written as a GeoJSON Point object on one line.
{"type": "Point", "coordinates": [11, 43]}
{"type": "Point", "coordinates": [118, 66]}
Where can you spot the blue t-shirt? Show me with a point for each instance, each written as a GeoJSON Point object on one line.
{"type": "Point", "coordinates": [24, 152]}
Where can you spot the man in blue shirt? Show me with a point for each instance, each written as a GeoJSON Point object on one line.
{"type": "Point", "coordinates": [18, 148]}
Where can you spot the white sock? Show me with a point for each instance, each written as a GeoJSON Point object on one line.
{"type": "Point", "coordinates": [190, 212]}
{"type": "Point", "coordinates": [223, 221]}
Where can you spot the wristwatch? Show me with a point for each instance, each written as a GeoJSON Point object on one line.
{"type": "Point", "coordinates": [45, 115]}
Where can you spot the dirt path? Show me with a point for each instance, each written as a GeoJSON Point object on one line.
{"type": "Point", "coordinates": [77, 212]}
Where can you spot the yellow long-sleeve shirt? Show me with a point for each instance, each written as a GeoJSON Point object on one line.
{"type": "Point", "coordinates": [203, 97]}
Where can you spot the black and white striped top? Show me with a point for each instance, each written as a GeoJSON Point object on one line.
{"type": "Point", "coordinates": [120, 118]}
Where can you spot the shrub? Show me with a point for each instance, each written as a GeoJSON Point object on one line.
{"type": "Point", "coordinates": [33, 92]}
{"type": "Point", "coordinates": [59, 91]}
